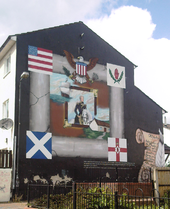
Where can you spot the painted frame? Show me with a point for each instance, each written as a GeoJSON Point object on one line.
{"type": "Point", "coordinates": [95, 93]}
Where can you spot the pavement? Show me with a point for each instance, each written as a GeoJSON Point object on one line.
{"type": "Point", "coordinates": [12, 205]}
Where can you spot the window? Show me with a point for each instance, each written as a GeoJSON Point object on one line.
{"type": "Point", "coordinates": [7, 68]}
{"type": "Point", "coordinates": [6, 109]}
{"type": "Point", "coordinates": [6, 140]}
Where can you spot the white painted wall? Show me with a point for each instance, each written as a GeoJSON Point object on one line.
{"type": "Point", "coordinates": [167, 140]}
{"type": "Point", "coordinates": [166, 131]}
{"type": "Point", "coordinates": [5, 183]}
{"type": "Point", "coordinates": [167, 136]}
{"type": "Point", "coordinates": [7, 91]}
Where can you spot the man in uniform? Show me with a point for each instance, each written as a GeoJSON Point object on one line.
{"type": "Point", "coordinates": [80, 106]}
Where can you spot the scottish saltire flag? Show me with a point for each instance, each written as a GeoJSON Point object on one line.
{"type": "Point", "coordinates": [116, 76]}
{"type": "Point", "coordinates": [40, 60]}
{"type": "Point", "coordinates": [117, 149]}
{"type": "Point", "coordinates": [38, 145]}
{"type": "Point", "coordinates": [81, 68]}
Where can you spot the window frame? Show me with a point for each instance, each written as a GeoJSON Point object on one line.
{"type": "Point", "coordinates": [5, 110]}
{"type": "Point", "coordinates": [7, 65]}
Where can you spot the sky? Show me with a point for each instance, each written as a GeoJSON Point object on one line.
{"type": "Point", "coordinates": [138, 29]}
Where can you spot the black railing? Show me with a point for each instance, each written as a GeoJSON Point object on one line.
{"type": "Point", "coordinates": [42, 193]}
{"type": "Point", "coordinates": [105, 199]}
{"type": "Point", "coordinates": [95, 195]}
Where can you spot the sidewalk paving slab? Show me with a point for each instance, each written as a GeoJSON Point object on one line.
{"type": "Point", "coordinates": [12, 205]}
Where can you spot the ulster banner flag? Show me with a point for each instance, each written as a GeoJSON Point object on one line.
{"type": "Point", "coordinates": [117, 149]}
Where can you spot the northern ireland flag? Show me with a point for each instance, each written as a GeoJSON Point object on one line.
{"type": "Point", "coordinates": [40, 60]}
{"type": "Point", "coordinates": [81, 68]}
{"type": "Point", "coordinates": [116, 76]}
{"type": "Point", "coordinates": [38, 145]}
{"type": "Point", "coordinates": [117, 149]}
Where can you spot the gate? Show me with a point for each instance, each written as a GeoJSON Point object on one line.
{"type": "Point", "coordinates": [5, 159]}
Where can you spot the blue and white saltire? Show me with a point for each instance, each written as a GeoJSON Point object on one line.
{"type": "Point", "coordinates": [38, 145]}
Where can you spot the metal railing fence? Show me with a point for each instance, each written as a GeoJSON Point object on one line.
{"type": "Point", "coordinates": [85, 195]}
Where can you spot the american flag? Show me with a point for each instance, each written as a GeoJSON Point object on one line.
{"type": "Point", "coordinates": [81, 68]}
{"type": "Point", "coordinates": [117, 149]}
{"type": "Point", "coordinates": [40, 60]}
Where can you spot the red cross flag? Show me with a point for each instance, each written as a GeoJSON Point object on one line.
{"type": "Point", "coordinates": [117, 149]}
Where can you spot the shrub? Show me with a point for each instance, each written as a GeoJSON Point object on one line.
{"type": "Point", "coordinates": [91, 198]}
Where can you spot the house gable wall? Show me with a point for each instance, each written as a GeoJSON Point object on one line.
{"type": "Point", "coordinates": [139, 110]}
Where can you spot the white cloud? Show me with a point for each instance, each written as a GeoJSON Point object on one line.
{"type": "Point", "coordinates": [129, 29]}
{"type": "Point", "coordinates": [18, 16]}
{"type": "Point", "coordinates": [126, 26]}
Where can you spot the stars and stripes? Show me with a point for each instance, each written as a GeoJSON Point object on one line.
{"type": "Point", "coordinates": [40, 60]}
{"type": "Point", "coordinates": [38, 145]}
{"type": "Point", "coordinates": [81, 68]}
{"type": "Point", "coordinates": [117, 149]}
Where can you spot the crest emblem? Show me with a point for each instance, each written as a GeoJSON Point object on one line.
{"type": "Point", "coordinates": [80, 74]}
{"type": "Point", "coordinates": [116, 76]}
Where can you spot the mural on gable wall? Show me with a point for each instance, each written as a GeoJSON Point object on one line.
{"type": "Point", "coordinates": [73, 104]}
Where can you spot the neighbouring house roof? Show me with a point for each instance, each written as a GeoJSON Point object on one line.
{"type": "Point", "coordinates": [10, 41]}
{"type": "Point", "coordinates": [167, 126]}
{"type": "Point", "coordinates": [167, 149]}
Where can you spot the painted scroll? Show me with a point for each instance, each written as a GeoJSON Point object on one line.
{"type": "Point", "coordinates": [151, 143]}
